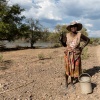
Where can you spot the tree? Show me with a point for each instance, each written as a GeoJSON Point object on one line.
{"type": "Point", "coordinates": [3, 8]}
{"type": "Point", "coordinates": [10, 21]}
{"type": "Point", "coordinates": [34, 30]}
{"type": "Point", "coordinates": [54, 37]}
{"type": "Point", "coordinates": [61, 28]}
{"type": "Point", "coordinates": [58, 28]}
{"type": "Point", "coordinates": [45, 34]}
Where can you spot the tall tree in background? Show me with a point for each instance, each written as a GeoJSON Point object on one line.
{"type": "Point", "coordinates": [61, 28]}
{"type": "Point", "coordinates": [45, 34]}
{"type": "Point", "coordinates": [3, 8]}
{"type": "Point", "coordinates": [3, 11]}
{"type": "Point", "coordinates": [34, 30]}
{"type": "Point", "coordinates": [58, 28]}
{"type": "Point", "coordinates": [54, 37]}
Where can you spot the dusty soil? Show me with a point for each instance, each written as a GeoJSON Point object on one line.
{"type": "Point", "coordinates": [24, 77]}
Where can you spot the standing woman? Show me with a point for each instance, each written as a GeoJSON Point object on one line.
{"type": "Point", "coordinates": [73, 51]}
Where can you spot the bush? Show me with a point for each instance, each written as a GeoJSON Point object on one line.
{"type": "Point", "coordinates": [95, 41]}
{"type": "Point", "coordinates": [41, 56]}
{"type": "Point", "coordinates": [2, 45]}
{"type": "Point", "coordinates": [56, 45]}
{"type": "Point", "coordinates": [85, 54]}
{"type": "Point", "coordinates": [54, 37]}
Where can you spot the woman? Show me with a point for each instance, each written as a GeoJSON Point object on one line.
{"type": "Point", "coordinates": [73, 51]}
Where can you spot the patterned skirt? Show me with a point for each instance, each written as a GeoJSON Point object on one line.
{"type": "Point", "coordinates": [72, 65]}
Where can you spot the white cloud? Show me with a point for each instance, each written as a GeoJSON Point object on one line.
{"type": "Point", "coordinates": [38, 9]}
{"type": "Point", "coordinates": [27, 4]}
{"type": "Point", "coordinates": [89, 25]}
{"type": "Point", "coordinates": [94, 33]}
{"type": "Point", "coordinates": [63, 8]}
{"type": "Point", "coordinates": [48, 10]}
{"type": "Point", "coordinates": [59, 9]}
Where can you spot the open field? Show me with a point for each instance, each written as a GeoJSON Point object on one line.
{"type": "Point", "coordinates": [24, 77]}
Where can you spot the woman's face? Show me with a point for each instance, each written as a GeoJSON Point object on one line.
{"type": "Point", "coordinates": [73, 28]}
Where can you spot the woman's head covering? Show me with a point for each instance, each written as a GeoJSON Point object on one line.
{"type": "Point", "coordinates": [79, 26]}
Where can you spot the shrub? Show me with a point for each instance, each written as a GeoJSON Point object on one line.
{"type": "Point", "coordinates": [56, 45]}
{"type": "Point", "coordinates": [41, 56]}
{"type": "Point", "coordinates": [95, 41]}
{"type": "Point", "coordinates": [85, 54]}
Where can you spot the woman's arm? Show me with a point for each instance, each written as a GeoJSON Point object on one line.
{"type": "Point", "coordinates": [85, 39]}
{"type": "Point", "coordinates": [63, 40]}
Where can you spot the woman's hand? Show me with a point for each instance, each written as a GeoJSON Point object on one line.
{"type": "Point", "coordinates": [63, 39]}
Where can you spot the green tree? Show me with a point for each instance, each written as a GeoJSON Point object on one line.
{"type": "Point", "coordinates": [3, 8]}
{"type": "Point", "coordinates": [54, 37]}
{"type": "Point", "coordinates": [34, 30]}
{"type": "Point", "coordinates": [10, 21]}
{"type": "Point", "coordinates": [58, 28]}
{"type": "Point", "coordinates": [61, 28]}
{"type": "Point", "coordinates": [94, 41]}
{"type": "Point", "coordinates": [45, 34]}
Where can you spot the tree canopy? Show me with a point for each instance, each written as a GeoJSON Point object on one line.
{"type": "Point", "coordinates": [10, 21]}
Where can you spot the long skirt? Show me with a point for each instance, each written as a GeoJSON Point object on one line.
{"type": "Point", "coordinates": [76, 70]}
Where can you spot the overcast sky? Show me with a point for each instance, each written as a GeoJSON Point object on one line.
{"type": "Point", "coordinates": [53, 12]}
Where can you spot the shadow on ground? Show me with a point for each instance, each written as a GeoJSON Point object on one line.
{"type": "Point", "coordinates": [15, 49]}
{"type": "Point", "coordinates": [23, 48]}
{"type": "Point", "coordinates": [93, 71]}
{"type": "Point", "coordinates": [93, 85]}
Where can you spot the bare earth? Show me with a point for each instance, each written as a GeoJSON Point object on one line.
{"type": "Point", "coordinates": [24, 77]}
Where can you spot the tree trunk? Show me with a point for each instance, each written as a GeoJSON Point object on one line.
{"type": "Point", "coordinates": [32, 41]}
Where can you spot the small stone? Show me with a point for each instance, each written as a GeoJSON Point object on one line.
{"type": "Point", "coordinates": [31, 97]}
{"type": "Point", "coordinates": [5, 87]}
{"type": "Point", "coordinates": [78, 96]}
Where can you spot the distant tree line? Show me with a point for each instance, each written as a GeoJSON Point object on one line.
{"type": "Point", "coordinates": [95, 41]}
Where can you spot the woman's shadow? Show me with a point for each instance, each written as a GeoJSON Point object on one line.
{"type": "Point", "coordinates": [93, 71]}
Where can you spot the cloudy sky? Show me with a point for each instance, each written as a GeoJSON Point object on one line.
{"type": "Point", "coordinates": [53, 12]}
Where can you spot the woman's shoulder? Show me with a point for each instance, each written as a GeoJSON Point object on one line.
{"type": "Point", "coordinates": [67, 34]}
{"type": "Point", "coordinates": [79, 33]}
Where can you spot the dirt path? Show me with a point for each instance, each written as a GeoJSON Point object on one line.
{"type": "Point", "coordinates": [25, 77]}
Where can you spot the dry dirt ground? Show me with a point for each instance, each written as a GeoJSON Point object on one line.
{"type": "Point", "coordinates": [24, 77]}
